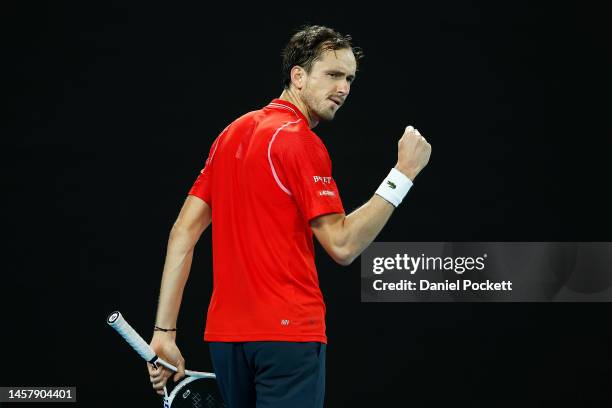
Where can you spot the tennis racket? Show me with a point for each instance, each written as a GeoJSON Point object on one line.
{"type": "Point", "coordinates": [197, 390]}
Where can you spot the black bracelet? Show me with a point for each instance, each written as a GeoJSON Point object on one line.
{"type": "Point", "coordinates": [156, 328]}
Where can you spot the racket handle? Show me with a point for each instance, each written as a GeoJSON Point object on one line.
{"type": "Point", "coordinates": [117, 322]}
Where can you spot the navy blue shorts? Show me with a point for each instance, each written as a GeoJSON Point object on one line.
{"type": "Point", "coordinates": [270, 374]}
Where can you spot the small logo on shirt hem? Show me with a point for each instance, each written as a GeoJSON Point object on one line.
{"type": "Point", "coordinates": [326, 193]}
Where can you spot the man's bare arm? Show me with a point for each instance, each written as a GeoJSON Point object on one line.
{"type": "Point", "coordinates": [345, 237]}
{"type": "Point", "coordinates": [194, 218]}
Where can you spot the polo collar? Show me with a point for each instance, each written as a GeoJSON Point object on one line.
{"type": "Point", "coordinates": [288, 106]}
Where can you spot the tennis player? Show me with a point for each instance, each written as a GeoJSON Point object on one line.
{"type": "Point", "coordinates": [267, 186]}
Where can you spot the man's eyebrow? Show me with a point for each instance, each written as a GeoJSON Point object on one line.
{"type": "Point", "coordinates": [335, 71]}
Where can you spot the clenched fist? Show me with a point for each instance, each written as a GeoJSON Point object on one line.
{"type": "Point", "coordinates": [413, 153]}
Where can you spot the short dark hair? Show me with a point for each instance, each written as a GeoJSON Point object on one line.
{"type": "Point", "coordinates": [308, 44]}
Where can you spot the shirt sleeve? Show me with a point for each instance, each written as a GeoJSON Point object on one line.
{"type": "Point", "coordinates": [307, 171]}
{"type": "Point", "coordinates": [202, 187]}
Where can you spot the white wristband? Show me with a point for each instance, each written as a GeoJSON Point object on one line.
{"type": "Point", "coordinates": [395, 187]}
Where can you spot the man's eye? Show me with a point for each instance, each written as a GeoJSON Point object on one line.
{"type": "Point", "coordinates": [334, 75]}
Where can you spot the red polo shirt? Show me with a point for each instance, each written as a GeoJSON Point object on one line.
{"type": "Point", "coordinates": [267, 175]}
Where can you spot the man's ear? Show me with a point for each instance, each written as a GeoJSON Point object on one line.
{"type": "Point", "coordinates": [298, 77]}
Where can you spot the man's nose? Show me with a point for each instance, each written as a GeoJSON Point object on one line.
{"type": "Point", "coordinates": [344, 87]}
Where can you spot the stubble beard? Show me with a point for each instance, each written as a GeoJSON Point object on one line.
{"type": "Point", "coordinates": [322, 112]}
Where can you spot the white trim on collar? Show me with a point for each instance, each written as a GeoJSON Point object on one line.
{"type": "Point", "coordinates": [278, 105]}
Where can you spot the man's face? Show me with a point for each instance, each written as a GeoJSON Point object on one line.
{"type": "Point", "coordinates": [329, 83]}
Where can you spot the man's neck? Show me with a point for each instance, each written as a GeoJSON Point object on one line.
{"type": "Point", "coordinates": [290, 96]}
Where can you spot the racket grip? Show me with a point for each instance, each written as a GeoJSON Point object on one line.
{"type": "Point", "coordinates": [117, 322]}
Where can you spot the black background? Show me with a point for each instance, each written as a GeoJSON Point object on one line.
{"type": "Point", "coordinates": [112, 106]}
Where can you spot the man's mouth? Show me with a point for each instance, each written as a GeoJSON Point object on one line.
{"type": "Point", "coordinates": [336, 101]}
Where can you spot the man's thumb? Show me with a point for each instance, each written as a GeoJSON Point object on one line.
{"type": "Point", "coordinates": [181, 370]}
